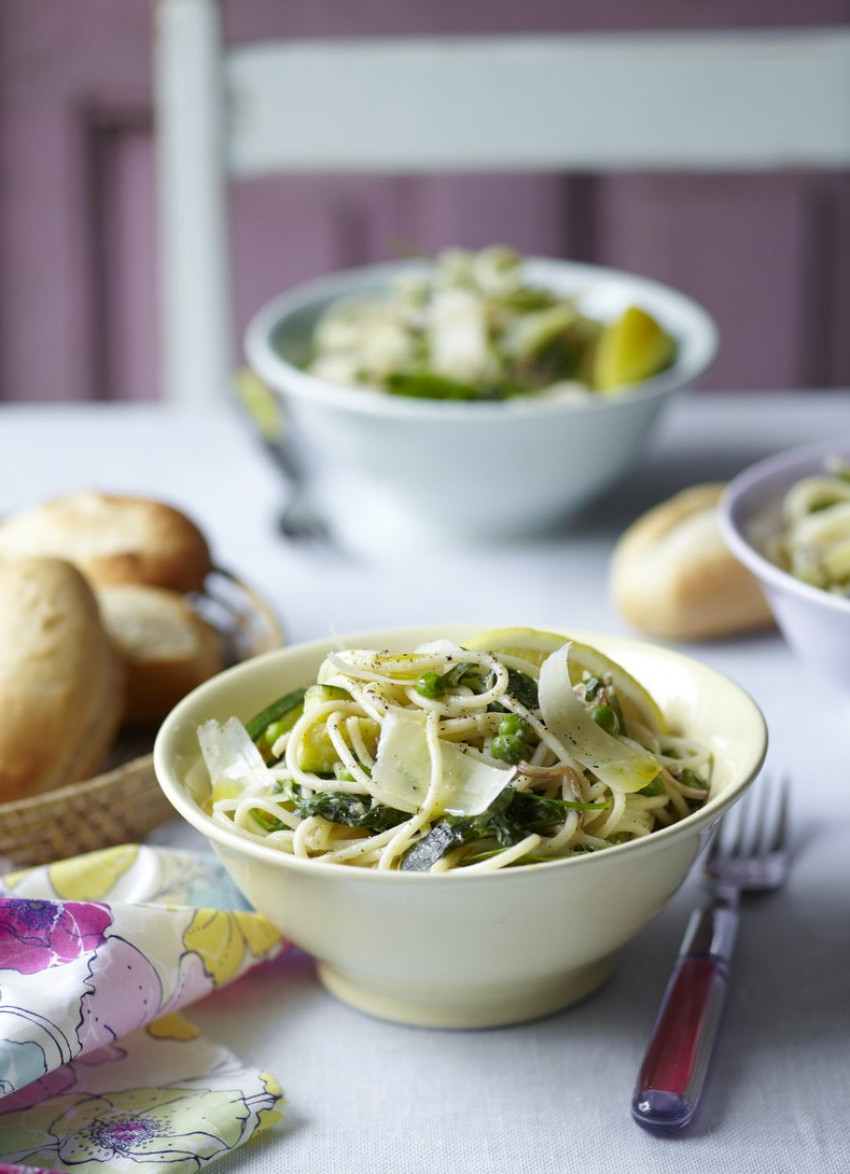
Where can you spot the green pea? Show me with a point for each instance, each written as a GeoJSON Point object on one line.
{"type": "Point", "coordinates": [430, 685]}
{"type": "Point", "coordinates": [605, 717]}
{"type": "Point", "coordinates": [512, 724]}
{"type": "Point", "coordinates": [690, 778]}
{"type": "Point", "coordinates": [621, 838]}
{"type": "Point", "coordinates": [656, 787]}
{"type": "Point", "coordinates": [508, 748]}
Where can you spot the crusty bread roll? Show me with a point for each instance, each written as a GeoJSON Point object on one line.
{"type": "Point", "coordinates": [673, 577]}
{"type": "Point", "coordinates": [112, 539]}
{"type": "Point", "coordinates": [61, 686]}
{"type": "Point", "coordinates": [167, 648]}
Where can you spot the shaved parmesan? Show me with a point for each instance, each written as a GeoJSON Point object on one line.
{"type": "Point", "coordinates": [404, 770]}
{"type": "Point", "coordinates": [438, 648]}
{"type": "Point", "coordinates": [622, 765]}
{"type": "Point", "coordinates": [457, 335]}
{"type": "Point", "coordinates": [233, 761]}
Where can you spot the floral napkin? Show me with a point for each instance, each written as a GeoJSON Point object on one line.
{"type": "Point", "coordinates": [98, 1071]}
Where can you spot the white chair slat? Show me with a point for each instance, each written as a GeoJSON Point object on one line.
{"type": "Point", "coordinates": [743, 101]}
{"type": "Point", "coordinates": [746, 100]}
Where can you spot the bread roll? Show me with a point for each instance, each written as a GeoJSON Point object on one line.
{"type": "Point", "coordinates": [166, 647]}
{"type": "Point", "coordinates": [61, 694]}
{"type": "Point", "coordinates": [112, 539]}
{"type": "Point", "coordinates": [673, 577]}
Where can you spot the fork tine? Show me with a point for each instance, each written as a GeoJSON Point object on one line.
{"type": "Point", "coordinates": [780, 833]}
{"type": "Point", "coordinates": [762, 817]}
{"type": "Point", "coordinates": [772, 820]}
{"type": "Point", "coordinates": [750, 849]}
{"type": "Point", "coordinates": [739, 833]}
{"type": "Point", "coordinates": [757, 825]}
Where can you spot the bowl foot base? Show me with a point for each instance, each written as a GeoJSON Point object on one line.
{"type": "Point", "coordinates": [463, 1007]}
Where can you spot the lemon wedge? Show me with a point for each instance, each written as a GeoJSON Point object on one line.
{"type": "Point", "coordinates": [631, 348]}
{"type": "Point", "coordinates": [534, 646]}
{"type": "Point", "coordinates": [530, 644]}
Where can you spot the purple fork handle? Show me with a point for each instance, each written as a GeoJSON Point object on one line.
{"type": "Point", "coordinates": [674, 1068]}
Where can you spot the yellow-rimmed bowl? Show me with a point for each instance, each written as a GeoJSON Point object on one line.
{"type": "Point", "coordinates": [456, 949]}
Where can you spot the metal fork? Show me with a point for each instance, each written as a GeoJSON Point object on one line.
{"type": "Point", "coordinates": [749, 852]}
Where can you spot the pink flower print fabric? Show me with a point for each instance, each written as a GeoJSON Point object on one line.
{"type": "Point", "coordinates": [97, 1070]}
{"type": "Point", "coordinates": [35, 935]}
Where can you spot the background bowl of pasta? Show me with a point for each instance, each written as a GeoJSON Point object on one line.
{"type": "Point", "coordinates": [787, 519]}
{"type": "Point", "coordinates": [495, 414]}
{"type": "Point", "coordinates": [477, 942]}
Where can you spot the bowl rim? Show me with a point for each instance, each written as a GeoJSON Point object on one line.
{"type": "Point", "coordinates": [270, 365]}
{"type": "Point", "coordinates": [234, 840]}
{"type": "Point", "coordinates": [738, 504]}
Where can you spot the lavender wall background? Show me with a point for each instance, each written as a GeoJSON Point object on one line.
{"type": "Point", "coordinates": [768, 255]}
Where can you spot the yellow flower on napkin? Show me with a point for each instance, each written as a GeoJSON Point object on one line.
{"type": "Point", "coordinates": [222, 938]}
{"type": "Point", "coordinates": [90, 877]}
{"type": "Point", "coordinates": [172, 1027]}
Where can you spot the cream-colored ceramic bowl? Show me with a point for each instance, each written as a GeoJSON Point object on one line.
{"type": "Point", "coordinates": [455, 949]}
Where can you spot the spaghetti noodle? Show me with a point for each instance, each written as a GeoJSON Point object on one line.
{"type": "Point", "coordinates": [814, 543]}
{"type": "Point", "coordinates": [450, 757]}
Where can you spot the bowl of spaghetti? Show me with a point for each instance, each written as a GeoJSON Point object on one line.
{"type": "Point", "coordinates": [787, 519]}
{"type": "Point", "coordinates": [471, 396]}
{"type": "Point", "coordinates": [462, 826]}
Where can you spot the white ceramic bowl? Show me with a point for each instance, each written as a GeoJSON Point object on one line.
{"type": "Point", "coordinates": [382, 466]}
{"type": "Point", "coordinates": [455, 949]}
{"type": "Point", "coordinates": [815, 623]}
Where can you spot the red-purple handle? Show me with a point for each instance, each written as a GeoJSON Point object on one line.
{"type": "Point", "coordinates": [673, 1072]}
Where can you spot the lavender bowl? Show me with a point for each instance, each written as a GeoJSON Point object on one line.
{"type": "Point", "coordinates": [815, 623]}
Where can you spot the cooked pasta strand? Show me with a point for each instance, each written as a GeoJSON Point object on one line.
{"type": "Point", "coordinates": [472, 778]}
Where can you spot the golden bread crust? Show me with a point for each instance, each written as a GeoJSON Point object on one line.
{"type": "Point", "coordinates": [166, 647]}
{"type": "Point", "coordinates": [112, 539]}
{"type": "Point", "coordinates": [61, 679]}
{"type": "Point", "coordinates": [672, 576]}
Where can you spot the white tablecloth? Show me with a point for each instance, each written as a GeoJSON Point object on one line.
{"type": "Point", "coordinates": [550, 1097]}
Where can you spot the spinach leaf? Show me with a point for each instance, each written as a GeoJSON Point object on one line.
{"type": "Point", "coordinates": [429, 385]}
{"type": "Point", "coordinates": [351, 810]}
{"type": "Point", "coordinates": [522, 688]}
{"type": "Point", "coordinates": [454, 830]}
{"type": "Point", "coordinates": [464, 673]}
{"type": "Point", "coordinates": [510, 818]}
{"type": "Point", "coordinates": [536, 813]}
{"type": "Point", "coordinates": [424, 853]}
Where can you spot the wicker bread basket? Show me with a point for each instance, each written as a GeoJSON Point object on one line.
{"type": "Point", "coordinates": [125, 802]}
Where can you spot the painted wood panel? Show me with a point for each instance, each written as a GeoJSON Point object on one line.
{"type": "Point", "coordinates": [769, 256]}
{"type": "Point", "coordinates": [67, 71]}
